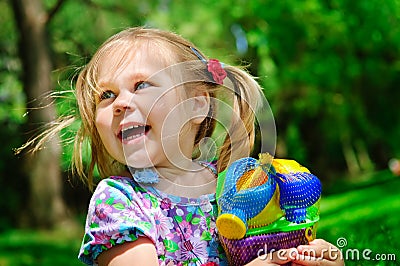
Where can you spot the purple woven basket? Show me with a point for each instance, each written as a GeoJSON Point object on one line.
{"type": "Point", "coordinates": [242, 251]}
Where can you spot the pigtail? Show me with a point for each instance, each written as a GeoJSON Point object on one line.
{"type": "Point", "coordinates": [247, 100]}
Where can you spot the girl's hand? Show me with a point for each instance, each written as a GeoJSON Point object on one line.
{"type": "Point", "coordinates": [318, 252]}
{"type": "Point", "coordinates": [276, 258]}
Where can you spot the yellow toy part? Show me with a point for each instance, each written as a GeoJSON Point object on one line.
{"type": "Point", "coordinates": [271, 213]}
{"type": "Point", "coordinates": [285, 166]}
{"type": "Point", "coordinates": [231, 226]}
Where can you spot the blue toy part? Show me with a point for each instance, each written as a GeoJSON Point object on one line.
{"type": "Point", "coordinates": [298, 191]}
{"type": "Point", "coordinates": [239, 204]}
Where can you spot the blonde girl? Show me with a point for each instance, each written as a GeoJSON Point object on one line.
{"type": "Point", "coordinates": [148, 101]}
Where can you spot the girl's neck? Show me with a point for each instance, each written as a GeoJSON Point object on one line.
{"type": "Point", "coordinates": [194, 181]}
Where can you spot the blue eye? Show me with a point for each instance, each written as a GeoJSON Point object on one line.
{"type": "Point", "coordinates": [107, 95]}
{"type": "Point", "coordinates": [142, 85]}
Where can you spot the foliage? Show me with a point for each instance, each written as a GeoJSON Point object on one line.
{"type": "Point", "coordinates": [334, 64]}
{"type": "Point", "coordinates": [329, 69]}
{"type": "Point", "coordinates": [12, 115]}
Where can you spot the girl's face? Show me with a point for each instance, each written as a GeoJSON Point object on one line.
{"type": "Point", "coordinates": [139, 116]}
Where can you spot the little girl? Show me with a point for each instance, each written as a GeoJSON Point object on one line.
{"type": "Point", "coordinates": [148, 100]}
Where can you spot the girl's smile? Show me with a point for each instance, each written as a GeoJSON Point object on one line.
{"type": "Point", "coordinates": [132, 132]}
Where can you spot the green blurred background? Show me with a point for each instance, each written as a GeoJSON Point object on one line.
{"type": "Point", "coordinates": [329, 69]}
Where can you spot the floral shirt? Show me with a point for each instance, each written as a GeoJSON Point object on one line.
{"type": "Point", "coordinates": [182, 229]}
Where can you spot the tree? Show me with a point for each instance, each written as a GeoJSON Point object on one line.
{"type": "Point", "coordinates": [46, 207]}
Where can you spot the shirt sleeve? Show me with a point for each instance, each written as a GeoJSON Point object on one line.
{"type": "Point", "coordinates": [118, 212]}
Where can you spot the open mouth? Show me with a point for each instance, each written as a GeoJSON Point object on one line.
{"type": "Point", "coordinates": [133, 132]}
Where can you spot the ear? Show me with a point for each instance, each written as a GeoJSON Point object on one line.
{"type": "Point", "coordinates": [201, 107]}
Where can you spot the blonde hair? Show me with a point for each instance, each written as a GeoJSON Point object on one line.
{"type": "Point", "coordinates": [174, 49]}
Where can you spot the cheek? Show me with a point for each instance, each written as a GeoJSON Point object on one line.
{"type": "Point", "coordinates": [103, 123]}
{"type": "Point", "coordinates": [98, 121]}
{"type": "Point", "coordinates": [152, 109]}
{"type": "Point", "coordinates": [165, 117]}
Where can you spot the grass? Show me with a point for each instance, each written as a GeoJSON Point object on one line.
{"type": "Point", "coordinates": [364, 212]}
{"type": "Point", "coordinates": [23, 248]}
{"type": "Point", "coordinates": [366, 217]}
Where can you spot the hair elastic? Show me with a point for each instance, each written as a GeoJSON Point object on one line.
{"type": "Point", "coordinates": [214, 66]}
{"type": "Point", "coordinates": [199, 56]}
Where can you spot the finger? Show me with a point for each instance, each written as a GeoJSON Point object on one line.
{"type": "Point", "coordinates": [317, 244]}
{"type": "Point", "coordinates": [280, 257]}
{"type": "Point", "coordinates": [320, 242]}
{"type": "Point", "coordinates": [321, 249]}
{"type": "Point", "coordinates": [312, 261]}
{"type": "Point", "coordinates": [324, 259]}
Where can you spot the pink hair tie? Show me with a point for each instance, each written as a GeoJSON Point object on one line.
{"type": "Point", "coordinates": [214, 66]}
{"type": "Point", "coordinates": [217, 71]}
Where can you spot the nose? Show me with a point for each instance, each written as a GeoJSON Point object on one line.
{"type": "Point", "coordinates": [122, 103]}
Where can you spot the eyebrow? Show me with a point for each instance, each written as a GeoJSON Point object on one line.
{"type": "Point", "coordinates": [134, 77]}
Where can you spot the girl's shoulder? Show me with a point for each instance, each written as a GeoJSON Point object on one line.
{"type": "Point", "coordinates": [122, 183]}
{"type": "Point", "coordinates": [119, 210]}
{"type": "Point", "coordinates": [117, 190]}
{"type": "Point", "coordinates": [117, 179]}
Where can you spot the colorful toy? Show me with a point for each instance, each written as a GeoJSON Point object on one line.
{"type": "Point", "coordinates": [266, 205]}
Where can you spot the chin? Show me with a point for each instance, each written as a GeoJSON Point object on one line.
{"type": "Point", "coordinates": [138, 162]}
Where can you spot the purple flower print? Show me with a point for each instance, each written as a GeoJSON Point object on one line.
{"type": "Point", "coordinates": [108, 226]}
{"type": "Point", "coordinates": [163, 223]}
{"type": "Point", "coordinates": [102, 239]}
{"type": "Point", "coordinates": [186, 230]}
{"type": "Point", "coordinates": [197, 248]}
{"type": "Point", "coordinates": [103, 210]}
{"type": "Point", "coordinates": [166, 203]}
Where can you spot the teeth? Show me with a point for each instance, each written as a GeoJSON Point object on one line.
{"type": "Point", "coordinates": [131, 127]}
{"type": "Point", "coordinates": [134, 136]}
{"type": "Point", "coordinates": [133, 132]}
